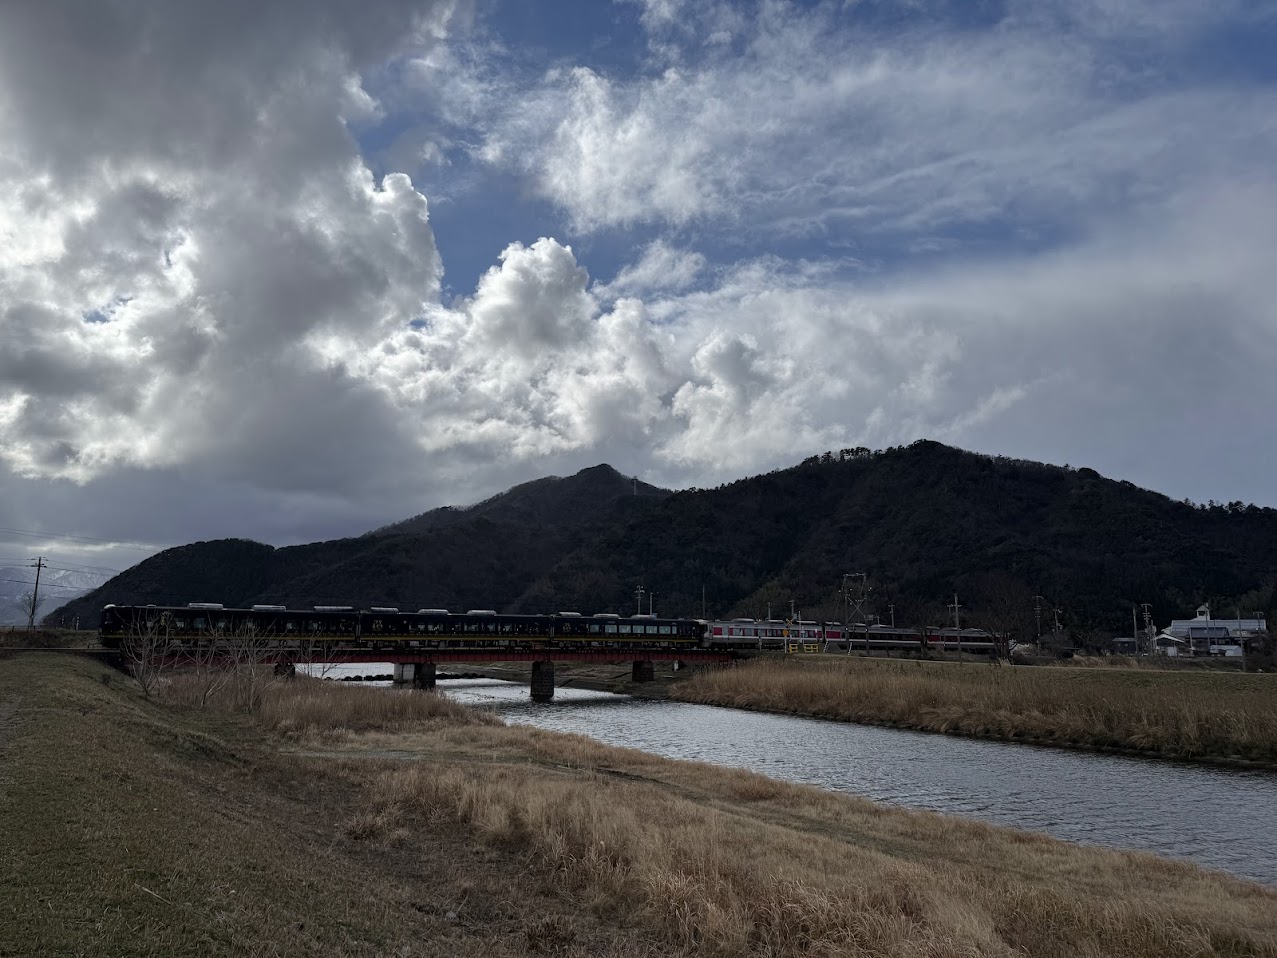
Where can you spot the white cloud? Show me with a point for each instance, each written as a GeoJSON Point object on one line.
{"type": "Point", "coordinates": [820, 131]}
{"type": "Point", "coordinates": [660, 267]}
{"type": "Point", "coordinates": [217, 318]}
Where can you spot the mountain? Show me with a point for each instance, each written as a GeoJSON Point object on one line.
{"type": "Point", "coordinates": [57, 586]}
{"type": "Point", "coordinates": [561, 503]}
{"type": "Point", "coordinates": [477, 556]}
{"type": "Point", "coordinates": [920, 522]}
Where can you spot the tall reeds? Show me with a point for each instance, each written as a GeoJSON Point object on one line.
{"type": "Point", "coordinates": [1189, 715]}
{"type": "Point", "coordinates": [727, 863]}
{"type": "Point", "coordinates": [301, 706]}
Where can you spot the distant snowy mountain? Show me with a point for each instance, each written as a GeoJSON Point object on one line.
{"type": "Point", "coordinates": [57, 587]}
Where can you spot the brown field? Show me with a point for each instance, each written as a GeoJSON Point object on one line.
{"type": "Point", "coordinates": [1183, 714]}
{"type": "Point", "coordinates": [347, 826]}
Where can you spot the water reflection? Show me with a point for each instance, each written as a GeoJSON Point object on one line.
{"type": "Point", "coordinates": [1213, 816]}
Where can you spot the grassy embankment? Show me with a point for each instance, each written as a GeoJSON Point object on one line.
{"type": "Point", "coordinates": [343, 821]}
{"type": "Point", "coordinates": [1191, 715]}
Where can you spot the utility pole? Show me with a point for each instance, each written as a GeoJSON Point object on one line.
{"type": "Point", "coordinates": [638, 599]}
{"type": "Point", "coordinates": [957, 623]}
{"type": "Point", "coordinates": [1148, 626]}
{"type": "Point", "coordinates": [651, 597]}
{"type": "Point", "coordinates": [891, 610]}
{"type": "Point", "coordinates": [38, 564]}
{"type": "Point", "coordinates": [1037, 615]}
{"type": "Point", "coordinates": [855, 607]}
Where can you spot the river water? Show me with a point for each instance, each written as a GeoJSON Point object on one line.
{"type": "Point", "coordinates": [1218, 817]}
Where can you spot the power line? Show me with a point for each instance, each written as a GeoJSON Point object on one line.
{"type": "Point", "coordinates": [79, 567]}
{"type": "Point", "coordinates": [134, 547]}
{"type": "Point", "coordinates": [69, 588]}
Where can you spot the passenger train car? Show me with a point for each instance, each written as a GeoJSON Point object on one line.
{"type": "Point", "coordinates": [389, 628]}
{"type": "Point", "coordinates": [785, 634]}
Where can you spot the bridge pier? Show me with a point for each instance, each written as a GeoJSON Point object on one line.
{"type": "Point", "coordinates": [405, 673]}
{"type": "Point", "coordinates": [425, 677]}
{"type": "Point", "coordinates": [642, 671]}
{"type": "Point", "coordinates": [543, 681]}
{"type": "Point", "coordinates": [285, 670]}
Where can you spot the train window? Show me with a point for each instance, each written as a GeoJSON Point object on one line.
{"type": "Point", "coordinates": [666, 630]}
{"type": "Point", "coordinates": [179, 623]}
{"type": "Point", "coordinates": [199, 622]}
{"type": "Point", "coordinates": [595, 628]}
{"type": "Point", "coordinates": [507, 627]}
{"type": "Point", "coordinates": [221, 625]}
{"type": "Point", "coordinates": [625, 629]}
{"type": "Point", "coordinates": [611, 628]}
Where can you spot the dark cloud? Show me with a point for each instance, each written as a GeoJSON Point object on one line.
{"type": "Point", "coordinates": [216, 319]}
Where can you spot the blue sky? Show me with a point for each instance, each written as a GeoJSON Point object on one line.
{"type": "Point", "coordinates": [292, 270]}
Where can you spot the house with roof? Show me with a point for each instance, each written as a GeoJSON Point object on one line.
{"type": "Point", "coordinates": [1204, 635]}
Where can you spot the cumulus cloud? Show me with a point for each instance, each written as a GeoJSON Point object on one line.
{"type": "Point", "coordinates": [218, 316]}
{"type": "Point", "coordinates": [187, 214]}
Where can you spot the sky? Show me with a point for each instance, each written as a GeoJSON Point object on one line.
{"type": "Point", "coordinates": [293, 269]}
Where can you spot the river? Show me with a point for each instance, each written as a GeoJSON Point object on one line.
{"type": "Point", "coordinates": [1218, 817]}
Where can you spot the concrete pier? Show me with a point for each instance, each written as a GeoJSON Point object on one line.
{"type": "Point", "coordinates": [425, 677]}
{"type": "Point", "coordinates": [542, 681]}
{"type": "Point", "coordinates": [642, 671]}
{"type": "Point", "coordinates": [286, 670]}
{"type": "Point", "coordinates": [405, 673]}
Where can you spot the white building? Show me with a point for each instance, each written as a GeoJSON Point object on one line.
{"type": "Point", "coordinates": [1203, 635]}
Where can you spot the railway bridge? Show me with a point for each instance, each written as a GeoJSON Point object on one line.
{"type": "Point", "coordinates": [416, 668]}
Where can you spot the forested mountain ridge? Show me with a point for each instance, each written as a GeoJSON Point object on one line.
{"type": "Point", "coordinates": [921, 522]}
{"type": "Point", "coordinates": [554, 501]}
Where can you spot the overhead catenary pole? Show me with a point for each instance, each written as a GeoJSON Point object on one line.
{"type": "Point", "coordinates": [855, 606]}
{"type": "Point", "coordinates": [38, 563]}
{"type": "Point", "coordinates": [638, 600]}
{"type": "Point", "coordinates": [957, 623]}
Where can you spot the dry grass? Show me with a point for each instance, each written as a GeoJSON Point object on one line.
{"type": "Point", "coordinates": [131, 829]}
{"type": "Point", "coordinates": [726, 862]}
{"type": "Point", "coordinates": [300, 706]}
{"type": "Point", "coordinates": [524, 840]}
{"type": "Point", "coordinates": [1182, 714]}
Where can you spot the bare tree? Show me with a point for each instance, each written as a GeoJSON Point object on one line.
{"type": "Point", "coordinates": [207, 661]}
{"type": "Point", "coordinates": [1004, 607]}
{"type": "Point", "coordinates": [145, 647]}
{"type": "Point", "coordinates": [248, 652]}
{"type": "Point", "coordinates": [29, 605]}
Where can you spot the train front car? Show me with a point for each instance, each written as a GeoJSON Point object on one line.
{"type": "Point", "coordinates": [111, 627]}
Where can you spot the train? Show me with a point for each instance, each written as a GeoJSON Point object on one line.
{"type": "Point", "coordinates": [808, 635]}
{"type": "Point", "coordinates": [383, 627]}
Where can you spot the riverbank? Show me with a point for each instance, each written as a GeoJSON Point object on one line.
{"type": "Point", "coordinates": [340, 820]}
{"type": "Point", "coordinates": [1182, 715]}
